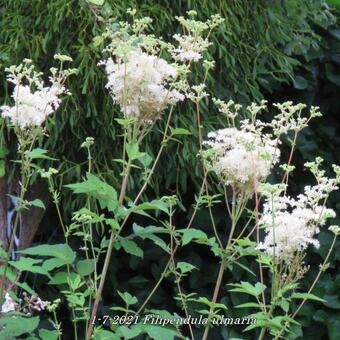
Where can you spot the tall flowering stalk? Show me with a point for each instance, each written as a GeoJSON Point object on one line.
{"type": "Point", "coordinates": [291, 226]}
{"type": "Point", "coordinates": [33, 103]}
{"type": "Point", "coordinates": [243, 156]}
{"type": "Point", "coordinates": [144, 85]}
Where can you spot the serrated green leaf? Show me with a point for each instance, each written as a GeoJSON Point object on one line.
{"type": "Point", "coordinates": [12, 327]}
{"type": "Point", "coordinates": [131, 247]}
{"type": "Point", "coordinates": [192, 234]}
{"type": "Point", "coordinates": [94, 187]}
{"type": "Point", "coordinates": [60, 251]}
{"type": "Point", "coordinates": [62, 278]}
{"type": "Point", "coordinates": [185, 267]}
{"type": "Point", "coordinates": [307, 296]}
{"type": "Point", "coordinates": [37, 203]}
{"type": "Point", "coordinates": [149, 233]}
{"type": "Point", "coordinates": [86, 267]}
{"type": "Point", "coordinates": [128, 298]}
{"type": "Point", "coordinates": [38, 154]}
{"type": "Point", "coordinates": [46, 334]}
{"type": "Point", "coordinates": [248, 288]}
{"type": "Point", "coordinates": [132, 151]}
{"type": "Point", "coordinates": [153, 205]}
{"type": "Point", "coordinates": [53, 263]}
{"type": "Point", "coordinates": [12, 277]}
{"type": "Point", "coordinates": [159, 332]}
{"type": "Point", "coordinates": [129, 333]}
{"type": "Point", "coordinates": [102, 334]}
{"type": "Point", "coordinates": [27, 264]}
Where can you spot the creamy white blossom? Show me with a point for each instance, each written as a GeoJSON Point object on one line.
{"type": "Point", "coordinates": [32, 107]}
{"type": "Point", "coordinates": [9, 305]}
{"type": "Point", "coordinates": [192, 44]}
{"type": "Point", "coordinates": [190, 48]}
{"type": "Point", "coordinates": [33, 101]}
{"type": "Point", "coordinates": [240, 157]}
{"type": "Point", "coordinates": [140, 84]}
{"type": "Point", "coordinates": [291, 224]}
{"type": "Point", "coordinates": [290, 117]}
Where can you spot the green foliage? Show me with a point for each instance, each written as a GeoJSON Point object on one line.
{"type": "Point", "coordinates": [96, 188]}
{"type": "Point", "coordinates": [248, 288]}
{"type": "Point", "coordinates": [59, 251]}
{"type": "Point", "coordinates": [306, 296]}
{"type": "Point", "coordinates": [131, 247]}
{"type": "Point", "coordinates": [192, 234]}
{"type": "Point", "coordinates": [85, 267]}
{"type": "Point", "coordinates": [319, 68]}
{"type": "Point", "coordinates": [14, 327]}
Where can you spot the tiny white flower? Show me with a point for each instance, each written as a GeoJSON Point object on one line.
{"type": "Point", "coordinates": [9, 304]}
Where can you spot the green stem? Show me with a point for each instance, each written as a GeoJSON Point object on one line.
{"type": "Point", "coordinates": [177, 278]}
{"type": "Point", "coordinates": [108, 257]}
{"type": "Point", "coordinates": [56, 324]}
{"type": "Point", "coordinates": [54, 193]}
{"type": "Point", "coordinates": [115, 235]}
{"type": "Point", "coordinates": [263, 330]}
{"type": "Point", "coordinates": [310, 289]}
{"type": "Point", "coordinates": [214, 299]}
{"type": "Point", "coordinates": [236, 213]}
{"type": "Point", "coordinates": [174, 252]}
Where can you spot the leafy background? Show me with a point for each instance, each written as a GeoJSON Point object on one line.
{"type": "Point", "coordinates": [276, 50]}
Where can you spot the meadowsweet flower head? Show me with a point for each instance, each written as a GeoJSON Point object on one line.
{"type": "Point", "coordinates": [33, 101]}
{"type": "Point", "coordinates": [245, 152]}
{"type": "Point", "coordinates": [189, 48]}
{"type": "Point", "coordinates": [290, 232]}
{"type": "Point", "coordinates": [140, 80]}
{"type": "Point", "coordinates": [89, 141]}
{"type": "Point", "coordinates": [198, 93]}
{"type": "Point", "coordinates": [240, 157]}
{"type": "Point", "coordinates": [193, 43]}
{"type": "Point", "coordinates": [49, 173]}
{"type": "Point", "coordinates": [139, 83]}
{"type": "Point", "coordinates": [291, 224]}
{"type": "Point", "coordinates": [290, 117]}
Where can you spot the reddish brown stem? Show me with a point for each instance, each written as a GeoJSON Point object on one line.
{"type": "Point", "coordinates": [257, 204]}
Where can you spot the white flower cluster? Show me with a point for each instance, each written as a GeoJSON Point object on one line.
{"type": "Point", "coordinates": [192, 44]}
{"type": "Point", "coordinates": [291, 224]}
{"type": "Point", "coordinates": [33, 102]}
{"type": "Point", "coordinates": [189, 48]}
{"type": "Point", "coordinates": [31, 304]}
{"type": "Point", "coordinates": [140, 84]}
{"type": "Point", "coordinates": [9, 305]}
{"type": "Point", "coordinates": [240, 157]}
{"type": "Point", "coordinates": [32, 107]}
{"type": "Point", "coordinates": [245, 155]}
{"type": "Point", "coordinates": [290, 117]}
